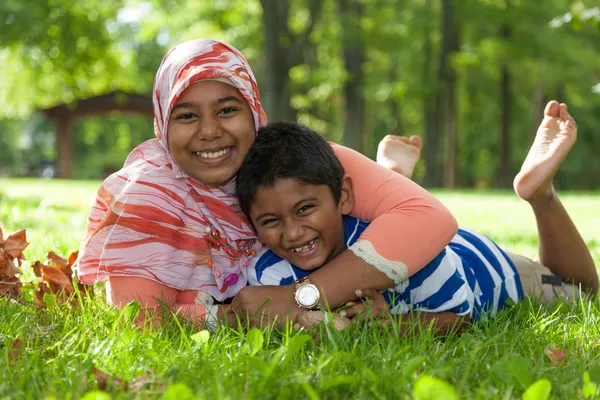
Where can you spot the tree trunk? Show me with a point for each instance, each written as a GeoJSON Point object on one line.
{"type": "Point", "coordinates": [505, 174]}
{"type": "Point", "coordinates": [275, 93]}
{"type": "Point", "coordinates": [283, 50]}
{"type": "Point", "coordinates": [430, 110]}
{"type": "Point", "coordinates": [64, 146]}
{"type": "Point", "coordinates": [397, 124]}
{"type": "Point", "coordinates": [537, 109]}
{"type": "Point", "coordinates": [505, 177]}
{"type": "Point", "coordinates": [353, 49]}
{"type": "Point", "coordinates": [451, 44]}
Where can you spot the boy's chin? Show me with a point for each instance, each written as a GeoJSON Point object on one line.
{"type": "Point", "coordinates": [310, 265]}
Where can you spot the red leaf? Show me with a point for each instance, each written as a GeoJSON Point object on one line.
{"type": "Point", "coordinates": [73, 258]}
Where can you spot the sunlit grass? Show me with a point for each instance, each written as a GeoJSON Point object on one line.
{"type": "Point", "coordinates": [494, 359]}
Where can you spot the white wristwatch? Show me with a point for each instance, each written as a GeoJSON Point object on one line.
{"type": "Point", "coordinates": [307, 295]}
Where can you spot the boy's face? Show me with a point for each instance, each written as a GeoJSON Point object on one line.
{"type": "Point", "coordinates": [302, 223]}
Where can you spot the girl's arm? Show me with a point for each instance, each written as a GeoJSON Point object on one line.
{"type": "Point", "coordinates": [156, 298]}
{"type": "Point", "coordinates": [409, 228]}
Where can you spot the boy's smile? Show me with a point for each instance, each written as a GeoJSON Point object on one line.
{"type": "Point", "coordinates": [301, 223]}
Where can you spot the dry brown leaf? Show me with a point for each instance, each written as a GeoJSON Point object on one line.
{"type": "Point", "coordinates": [56, 279]}
{"type": "Point", "coordinates": [16, 348]}
{"type": "Point", "coordinates": [15, 244]}
{"type": "Point", "coordinates": [103, 379]}
{"type": "Point", "coordinates": [11, 248]}
{"type": "Point", "coordinates": [557, 356]}
{"type": "Point", "coordinates": [56, 259]}
{"type": "Point", "coordinates": [39, 292]}
{"type": "Point", "coordinates": [36, 269]}
{"type": "Point", "coordinates": [11, 287]}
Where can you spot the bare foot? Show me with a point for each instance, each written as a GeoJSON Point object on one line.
{"type": "Point", "coordinates": [555, 137]}
{"type": "Point", "coordinates": [399, 153]}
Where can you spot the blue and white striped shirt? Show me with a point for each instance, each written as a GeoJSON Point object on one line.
{"type": "Point", "coordinates": [471, 276]}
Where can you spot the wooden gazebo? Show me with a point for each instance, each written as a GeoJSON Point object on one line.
{"type": "Point", "coordinates": [63, 116]}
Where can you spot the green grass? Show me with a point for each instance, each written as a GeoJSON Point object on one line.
{"type": "Point", "coordinates": [497, 358]}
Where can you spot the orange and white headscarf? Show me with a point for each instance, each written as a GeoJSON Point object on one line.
{"type": "Point", "coordinates": [152, 220]}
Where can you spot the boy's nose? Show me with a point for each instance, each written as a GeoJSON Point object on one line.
{"type": "Point", "coordinates": [292, 233]}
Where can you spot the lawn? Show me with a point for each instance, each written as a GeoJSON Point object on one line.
{"type": "Point", "coordinates": [62, 346]}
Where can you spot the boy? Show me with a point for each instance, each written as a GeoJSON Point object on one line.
{"type": "Point", "coordinates": [295, 192]}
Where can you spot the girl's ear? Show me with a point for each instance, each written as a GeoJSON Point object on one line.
{"type": "Point", "coordinates": [346, 203]}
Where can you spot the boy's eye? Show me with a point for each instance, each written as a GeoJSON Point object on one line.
{"type": "Point", "coordinates": [304, 209]}
{"type": "Point", "coordinates": [268, 221]}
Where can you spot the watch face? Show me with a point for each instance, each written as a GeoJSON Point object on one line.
{"type": "Point", "coordinates": [307, 296]}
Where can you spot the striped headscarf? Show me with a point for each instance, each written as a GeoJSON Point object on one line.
{"type": "Point", "coordinates": [152, 220]}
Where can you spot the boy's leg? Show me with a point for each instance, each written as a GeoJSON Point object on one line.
{"type": "Point", "coordinates": [561, 247]}
{"type": "Point", "coordinates": [399, 153]}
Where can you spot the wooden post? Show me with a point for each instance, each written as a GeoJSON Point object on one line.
{"type": "Point", "coordinates": [64, 147]}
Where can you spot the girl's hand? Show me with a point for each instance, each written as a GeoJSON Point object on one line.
{"type": "Point", "coordinates": [373, 304]}
{"type": "Point", "coordinates": [310, 319]}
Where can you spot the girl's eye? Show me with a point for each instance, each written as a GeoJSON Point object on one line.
{"type": "Point", "coordinates": [226, 110]}
{"type": "Point", "coordinates": [185, 117]}
{"type": "Point", "coordinates": [304, 209]}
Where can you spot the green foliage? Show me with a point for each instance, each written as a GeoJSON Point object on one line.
{"type": "Point", "coordinates": [58, 53]}
{"type": "Point", "coordinates": [540, 390]}
{"type": "Point", "coordinates": [62, 345]}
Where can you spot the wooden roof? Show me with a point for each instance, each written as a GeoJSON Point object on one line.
{"type": "Point", "coordinates": [117, 101]}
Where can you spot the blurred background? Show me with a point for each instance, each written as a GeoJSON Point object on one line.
{"type": "Point", "coordinates": [470, 76]}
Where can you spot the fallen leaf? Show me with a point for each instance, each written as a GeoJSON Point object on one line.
{"type": "Point", "coordinates": [557, 356]}
{"type": "Point", "coordinates": [103, 379]}
{"type": "Point", "coordinates": [10, 287]}
{"type": "Point", "coordinates": [15, 244]}
{"type": "Point", "coordinates": [39, 292]}
{"type": "Point", "coordinates": [16, 348]}
{"type": "Point", "coordinates": [56, 259]}
{"type": "Point", "coordinates": [56, 279]}
{"type": "Point", "coordinates": [148, 379]}
{"type": "Point", "coordinates": [36, 269]}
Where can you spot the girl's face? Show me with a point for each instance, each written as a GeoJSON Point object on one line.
{"type": "Point", "coordinates": [210, 131]}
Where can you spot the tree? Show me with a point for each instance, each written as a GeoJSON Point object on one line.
{"type": "Point", "coordinates": [354, 56]}
{"type": "Point", "coordinates": [283, 51]}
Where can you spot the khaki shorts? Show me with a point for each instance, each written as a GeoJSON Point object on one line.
{"type": "Point", "coordinates": [541, 284]}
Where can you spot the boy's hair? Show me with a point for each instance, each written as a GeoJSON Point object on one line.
{"type": "Point", "coordinates": [284, 150]}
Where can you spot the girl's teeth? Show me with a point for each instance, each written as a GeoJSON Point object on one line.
{"type": "Point", "coordinates": [215, 154]}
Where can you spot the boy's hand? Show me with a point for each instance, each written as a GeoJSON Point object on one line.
{"type": "Point", "coordinates": [373, 305]}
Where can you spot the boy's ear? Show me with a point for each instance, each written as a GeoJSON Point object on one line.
{"type": "Point", "coordinates": [346, 203]}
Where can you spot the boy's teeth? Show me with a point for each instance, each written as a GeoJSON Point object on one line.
{"type": "Point", "coordinates": [215, 154]}
{"type": "Point", "coordinates": [311, 245]}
